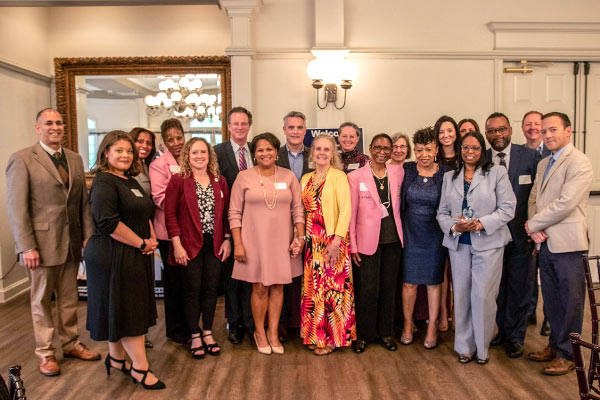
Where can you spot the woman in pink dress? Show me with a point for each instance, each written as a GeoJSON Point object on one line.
{"type": "Point", "coordinates": [265, 201]}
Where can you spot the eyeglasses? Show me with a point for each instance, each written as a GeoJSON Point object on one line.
{"type": "Point", "coordinates": [492, 131]}
{"type": "Point", "coordinates": [401, 147]}
{"type": "Point", "coordinates": [378, 149]}
{"type": "Point", "coordinates": [470, 148]}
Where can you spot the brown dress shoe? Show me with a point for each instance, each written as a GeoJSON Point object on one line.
{"type": "Point", "coordinates": [83, 353]}
{"type": "Point", "coordinates": [49, 366]}
{"type": "Point", "coordinates": [548, 354]}
{"type": "Point", "coordinates": [559, 366]}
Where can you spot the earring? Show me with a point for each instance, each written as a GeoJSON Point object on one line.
{"type": "Point", "coordinates": [254, 160]}
{"type": "Point", "coordinates": [331, 161]}
{"type": "Point", "coordinates": [276, 158]}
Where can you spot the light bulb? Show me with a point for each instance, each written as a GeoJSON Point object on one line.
{"type": "Point", "coordinates": [176, 96]}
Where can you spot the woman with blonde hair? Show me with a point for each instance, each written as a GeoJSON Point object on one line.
{"type": "Point", "coordinates": [196, 204]}
{"type": "Point", "coordinates": [327, 310]}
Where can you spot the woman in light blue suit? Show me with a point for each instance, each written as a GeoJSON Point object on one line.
{"type": "Point", "coordinates": [476, 205]}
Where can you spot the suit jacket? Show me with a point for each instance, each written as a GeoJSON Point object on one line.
{"type": "Point", "coordinates": [182, 217]}
{"type": "Point", "coordinates": [335, 201]}
{"type": "Point", "coordinates": [42, 212]}
{"type": "Point", "coordinates": [227, 162]}
{"type": "Point", "coordinates": [558, 206]}
{"type": "Point", "coordinates": [161, 170]}
{"type": "Point", "coordinates": [283, 159]}
{"type": "Point", "coordinates": [365, 221]}
{"type": "Point", "coordinates": [521, 173]}
{"type": "Point", "coordinates": [492, 199]}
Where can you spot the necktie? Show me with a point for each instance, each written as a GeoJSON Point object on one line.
{"type": "Point", "coordinates": [242, 160]}
{"type": "Point", "coordinates": [61, 168]}
{"type": "Point", "coordinates": [502, 161]}
{"type": "Point", "coordinates": [550, 163]}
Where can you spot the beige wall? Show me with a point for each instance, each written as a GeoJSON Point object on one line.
{"type": "Point", "coordinates": [21, 98]}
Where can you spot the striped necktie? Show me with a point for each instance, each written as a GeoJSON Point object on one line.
{"type": "Point", "coordinates": [502, 160]}
{"type": "Point", "coordinates": [242, 160]}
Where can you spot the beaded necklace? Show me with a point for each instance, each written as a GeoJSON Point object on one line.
{"type": "Point", "coordinates": [262, 186]}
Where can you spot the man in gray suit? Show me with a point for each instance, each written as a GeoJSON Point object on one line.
{"type": "Point", "coordinates": [515, 287]}
{"type": "Point", "coordinates": [558, 225]}
{"type": "Point", "coordinates": [531, 126]}
{"type": "Point", "coordinates": [49, 213]}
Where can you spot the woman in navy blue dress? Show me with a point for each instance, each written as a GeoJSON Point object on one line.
{"type": "Point", "coordinates": [424, 255]}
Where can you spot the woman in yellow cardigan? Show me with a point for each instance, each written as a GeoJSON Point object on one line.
{"type": "Point", "coordinates": [327, 311]}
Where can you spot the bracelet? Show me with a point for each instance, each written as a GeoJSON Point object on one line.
{"type": "Point", "coordinates": [301, 237]}
{"type": "Point", "coordinates": [229, 238]}
{"type": "Point", "coordinates": [453, 232]}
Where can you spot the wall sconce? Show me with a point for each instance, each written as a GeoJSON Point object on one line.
{"type": "Point", "coordinates": [329, 69]}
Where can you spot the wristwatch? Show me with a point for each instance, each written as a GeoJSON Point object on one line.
{"type": "Point", "coordinates": [229, 238]}
{"type": "Point", "coordinates": [143, 245]}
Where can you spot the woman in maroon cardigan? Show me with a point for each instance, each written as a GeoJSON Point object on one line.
{"type": "Point", "coordinates": [196, 204]}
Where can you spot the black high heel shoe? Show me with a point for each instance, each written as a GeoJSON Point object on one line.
{"type": "Point", "coordinates": [158, 385]}
{"type": "Point", "coordinates": [108, 365]}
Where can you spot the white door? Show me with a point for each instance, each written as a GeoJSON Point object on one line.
{"type": "Point", "coordinates": [548, 88]}
{"type": "Point", "coordinates": [592, 149]}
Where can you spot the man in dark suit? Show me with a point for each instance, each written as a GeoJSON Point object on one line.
{"type": "Point", "coordinates": [515, 286]}
{"type": "Point", "coordinates": [531, 126]}
{"type": "Point", "coordinates": [49, 213]}
{"type": "Point", "coordinates": [234, 156]}
{"type": "Point", "coordinates": [293, 155]}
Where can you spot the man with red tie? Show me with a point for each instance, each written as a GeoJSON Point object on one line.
{"type": "Point", "coordinates": [234, 156]}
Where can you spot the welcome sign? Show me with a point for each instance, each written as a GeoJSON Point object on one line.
{"type": "Point", "coordinates": [313, 133]}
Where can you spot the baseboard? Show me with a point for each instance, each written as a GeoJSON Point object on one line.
{"type": "Point", "coordinates": [14, 290]}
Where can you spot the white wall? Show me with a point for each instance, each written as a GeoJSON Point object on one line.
{"type": "Point", "coordinates": [138, 31]}
{"type": "Point", "coordinates": [21, 98]}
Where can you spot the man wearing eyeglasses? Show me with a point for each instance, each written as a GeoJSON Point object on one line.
{"type": "Point", "coordinates": [515, 287]}
{"type": "Point", "coordinates": [558, 225]}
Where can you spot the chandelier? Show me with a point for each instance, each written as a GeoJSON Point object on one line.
{"type": "Point", "coordinates": [182, 97]}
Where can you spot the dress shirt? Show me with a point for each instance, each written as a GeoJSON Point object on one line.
{"type": "Point", "coordinates": [554, 159]}
{"type": "Point", "coordinates": [236, 150]}
{"type": "Point", "coordinates": [540, 147]}
{"type": "Point", "coordinates": [496, 157]}
{"type": "Point", "coordinates": [296, 161]}
{"type": "Point", "coordinates": [50, 150]}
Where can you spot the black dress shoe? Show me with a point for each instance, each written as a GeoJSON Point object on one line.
{"type": "Point", "coordinates": [359, 346]}
{"type": "Point", "coordinates": [532, 320]}
{"type": "Point", "coordinates": [514, 350]}
{"type": "Point", "coordinates": [497, 340]}
{"type": "Point", "coordinates": [235, 336]}
{"type": "Point", "coordinates": [545, 331]}
{"type": "Point", "coordinates": [389, 343]}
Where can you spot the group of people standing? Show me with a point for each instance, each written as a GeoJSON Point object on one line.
{"type": "Point", "coordinates": [327, 241]}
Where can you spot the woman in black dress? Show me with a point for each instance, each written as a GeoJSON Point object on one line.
{"type": "Point", "coordinates": [120, 278]}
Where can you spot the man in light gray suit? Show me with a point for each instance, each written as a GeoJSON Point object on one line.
{"type": "Point", "coordinates": [49, 213]}
{"type": "Point", "coordinates": [558, 225]}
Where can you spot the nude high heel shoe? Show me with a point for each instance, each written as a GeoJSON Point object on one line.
{"type": "Point", "coordinates": [262, 350]}
{"type": "Point", "coordinates": [276, 349]}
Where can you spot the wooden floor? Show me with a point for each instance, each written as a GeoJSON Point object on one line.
{"type": "Point", "coordinates": [240, 372]}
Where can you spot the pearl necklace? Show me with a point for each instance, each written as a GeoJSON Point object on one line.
{"type": "Point", "coordinates": [262, 186]}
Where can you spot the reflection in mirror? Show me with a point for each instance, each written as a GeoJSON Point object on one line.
{"type": "Point", "coordinates": [111, 102]}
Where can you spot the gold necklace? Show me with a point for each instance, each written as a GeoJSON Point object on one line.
{"type": "Point", "coordinates": [380, 180]}
{"type": "Point", "coordinates": [317, 182]}
{"type": "Point", "coordinates": [262, 186]}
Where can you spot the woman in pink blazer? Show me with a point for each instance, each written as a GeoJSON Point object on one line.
{"type": "Point", "coordinates": [196, 203]}
{"type": "Point", "coordinates": [376, 243]}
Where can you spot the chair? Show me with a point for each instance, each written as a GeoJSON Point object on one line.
{"type": "Point", "coordinates": [16, 387]}
{"type": "Point", "coordinates": [594, 368]}
{"type": "Point", "coordinates": [585, 385]}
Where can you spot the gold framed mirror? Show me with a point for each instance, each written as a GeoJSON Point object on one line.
{"type": "Point", "coordinates": [71, 72]}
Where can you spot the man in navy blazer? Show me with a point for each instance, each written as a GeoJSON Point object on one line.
{"type": "Point", "coordinates": [515, 287]}
{"type": "Point", "coordinates": [234, 156]}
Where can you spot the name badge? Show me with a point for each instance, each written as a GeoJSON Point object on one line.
{"type": "Point", "coordinates": [137, 193]}
{"type": "Point", "coordinates": [353, 166]}
{"type": "Point", "coordinates": [384, 211]}
{"type": "Point", "coordinates": [280, 186]}
{"type": "Point", "coordinates": [175, 169]}
{"type": "Point", "coordinates": [524, 179]}
{"type": "Point", "coordinates": [363, 187]}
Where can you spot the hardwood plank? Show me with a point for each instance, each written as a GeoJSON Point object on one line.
{"type": "Point", "coordinates": [240, 372]}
